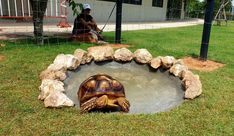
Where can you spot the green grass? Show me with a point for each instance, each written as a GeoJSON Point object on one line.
{"type": "Point", "coordinates": [210, 114]}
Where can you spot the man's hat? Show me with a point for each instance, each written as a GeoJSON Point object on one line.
{"type": "Point", "coordinates": [86, 6]}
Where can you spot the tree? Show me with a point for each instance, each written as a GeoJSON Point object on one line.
{"type": "Point", "coordinates": [38, 8]}
{"type": "Point", "coordinates": [196, 7]}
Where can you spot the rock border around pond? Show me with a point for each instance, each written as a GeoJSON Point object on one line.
{"type": "Point", "coordinates": [52, 86]}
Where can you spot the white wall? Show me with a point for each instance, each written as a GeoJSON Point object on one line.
{"type": "Point", "coordinates": [102, 9]}
{"type": "Point", "coordinates": [144, 12]}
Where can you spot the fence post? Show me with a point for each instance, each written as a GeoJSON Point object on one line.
{"type": "Point", "coordinates": [118, 21]}
{"type": "Point", "coordinates": [207, 29]}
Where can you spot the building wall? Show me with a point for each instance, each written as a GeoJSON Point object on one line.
{"type": "Point", "coordinates": [100, 10]}
{"type": "Point", "coordinates": [144, 12]}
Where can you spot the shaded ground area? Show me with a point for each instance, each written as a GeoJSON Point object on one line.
{"type": "Point", "coordinates": [196, 64]}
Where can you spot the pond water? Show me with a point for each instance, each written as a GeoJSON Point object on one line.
{"type": "Point", "coordinates": [148, 91]}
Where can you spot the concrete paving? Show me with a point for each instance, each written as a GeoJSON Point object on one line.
{"type": "Point", "coordinates": [10, 27]}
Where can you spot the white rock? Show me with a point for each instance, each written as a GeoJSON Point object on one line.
{"type": "Point", "coordinates": [58, 99]}
{"type": "Point", "coordinates": [179, 61]}
{"type": "Point", "coordinates": [83, 56]}
{"type": "Point", "coordinates": [68, 61]}
{"type": "Point", "coordinates": [192, 85]}
{"type": "Point", "coordinates": [53, 74]}
{"type": "Point", "coordinates": [167, 61]}
{"type": "Point", "coordinates": [156, 62]}
{"type": "Point", "coordinates": [57, 67]}
{"type": "Point", "coordinates": [142, 56]}
{"type": "Point", "coordinates": [101, 53]}
{"type": "Point", "coordinates": [177, 69]}
{"type": "Point", "coordinates": [48, 86]}
{"type": "Point", "coordinates": [123, 54]}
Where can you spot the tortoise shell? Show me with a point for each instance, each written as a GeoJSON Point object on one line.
{"type": "Point", "coordinates": [100, 84]}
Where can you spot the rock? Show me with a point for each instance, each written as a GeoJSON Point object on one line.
{"type": "Point", "coordinates": [53, 75]}
{"type": "Point", "coordinates": [68, 61]}
{"type": "Point", "coordinates": [83, 56]}
{"type": "Point", "coordinates": [58, 99]}
{"type": "Point", "coordinates": [54, 72]}
{"type": "Point", "coordinates": [48, 86]}
{"type": "Point", "coordinates": [57, 67]}
{"type": "Point", "coordinates": [167, 61]}
{"type": "Point", "coordinates": [156, 62]}
{"type": "Point", "coordinates": [179, 61]}
{"type": "Point", "coordinates": [123, 54]}
{"type": "Point", "coordinates": [177, 69]}
{"type": "Point", "coordinates": [142, 56]}
{"type": "Point", "coordinates": [100, 53]}
{"type": "Point", "coordinates": [192, 85]}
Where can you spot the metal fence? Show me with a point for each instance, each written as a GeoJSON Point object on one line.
{"type": "Point", "coordinates": [19, 9]}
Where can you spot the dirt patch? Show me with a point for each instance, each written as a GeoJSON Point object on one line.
{"type": "Point", "coordinates": [13, 36]}
{"type": "Point", "coordinates": [196, 64]}
{"type": "Point", "coordinates": [117, 46]}
{"type": "Point", "coordinates": [2, 58]}
{"type": "Point", "coordinates": [3, 37]}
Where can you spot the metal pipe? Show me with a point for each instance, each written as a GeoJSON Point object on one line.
{"type": "Point", "coordinates": [118, 21]}
{"type": "Point", "coordinates": [16, 10]}
{"type": "Point", "coordinates": [206, 29]}
{"type": "Point", "coordinates": [29, 10]}
{"type": "Point", "coordinates": [1, 8]}
{"type": "Point", "coordinates": [9, 9]}
{"type": "Point", "coordinates": [51, 8]}
{"type": "Point", "coordinates": [56, 7]}
{"type": "Point", "coordinates": [22, 3]}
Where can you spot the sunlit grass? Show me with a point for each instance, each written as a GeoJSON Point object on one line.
{"type": "Point", "coordinates": [210, 114]}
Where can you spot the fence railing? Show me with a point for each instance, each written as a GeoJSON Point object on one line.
{"type": "Point", "coordinates": [17, 9]}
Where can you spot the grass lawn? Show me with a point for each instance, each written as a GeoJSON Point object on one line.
{"type": "Point", "coordinates": [210, 114]}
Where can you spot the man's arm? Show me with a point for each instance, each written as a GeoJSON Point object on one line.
{"type": "Point", "coordinates": [94, 24]}
{"type": "Point", "coordinates": [86, 24]}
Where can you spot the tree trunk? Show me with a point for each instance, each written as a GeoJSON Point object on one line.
{"type": "Point", "coordinates": [38, 8]}
{"type": "Point", "coordinates": [182, 13]}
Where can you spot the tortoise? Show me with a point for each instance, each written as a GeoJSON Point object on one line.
{"type": "Point", "coordinates": [102, 92]}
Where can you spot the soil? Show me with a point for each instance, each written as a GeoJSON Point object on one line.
{"type": "Point", "coordinates": [197, 64]}
{"type": "Point", "coordinates": [2, 58]}
{"type": "Point", "coordinates": [2, 37]}
{"type": "Point", "coordinates": [116, 46]}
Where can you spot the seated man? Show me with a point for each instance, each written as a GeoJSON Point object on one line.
{"type": "Point", "coordinates": [84, 23]}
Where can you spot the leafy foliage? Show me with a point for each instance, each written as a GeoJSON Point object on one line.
{"type": "Point", "coordinates": [76, 7]}
{"type": "Point", "coordinates": [196, 8]}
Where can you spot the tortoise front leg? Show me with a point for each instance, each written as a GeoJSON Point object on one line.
{"type": "Point", "coordinates": [94, 102]}
{"type": "Point", "coordinates": [124, 104]}
{"type": "Point", "coordinates": [102, 102]}
{"type": "Point", "coordinates": [88, 105]}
